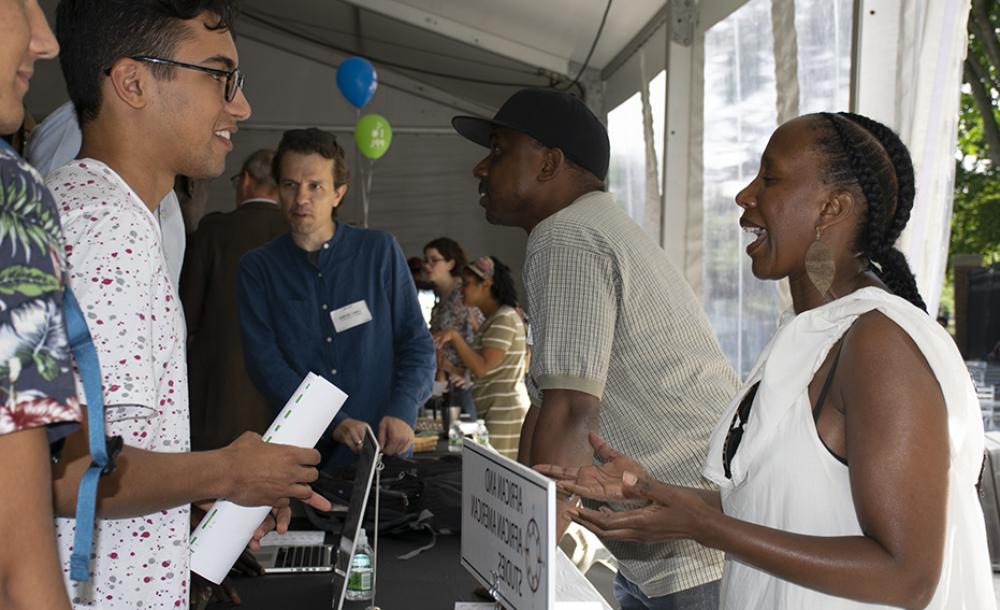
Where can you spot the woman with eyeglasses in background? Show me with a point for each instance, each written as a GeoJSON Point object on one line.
{"type": "Point", "coordinates": [497, 357]}
{"type": "Point", "coordinates": [444, 260]}
{"type": "Point", "coordinates": [847, 465]}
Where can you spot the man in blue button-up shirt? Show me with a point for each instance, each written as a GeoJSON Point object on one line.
{"type": "Point", "coordinates": [335, 300]}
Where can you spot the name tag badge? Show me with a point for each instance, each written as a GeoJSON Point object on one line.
{"type": "Point", "coordinates": [349, 316]}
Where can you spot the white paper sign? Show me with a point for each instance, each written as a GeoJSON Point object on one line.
{"type": "Point", "coordinates": [222, 535]}
{"type": "Point", "coordinates": [508, 528]}
{"type": "Point", "coordinates": [349, 316]}
{"type": "Point", "coordinates": [573, 590]}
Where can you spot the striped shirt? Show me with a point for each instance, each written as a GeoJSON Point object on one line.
{"type": "Point", "coordinates": [612, 317]}
{"type": "Point", "coordinates": [500, 395]}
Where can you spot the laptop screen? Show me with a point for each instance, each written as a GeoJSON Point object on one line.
{"type": "Point", "coordinates": [363, 476]}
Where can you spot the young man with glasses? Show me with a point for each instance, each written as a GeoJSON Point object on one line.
{"type": "Point", "coordinates": [145, 122]}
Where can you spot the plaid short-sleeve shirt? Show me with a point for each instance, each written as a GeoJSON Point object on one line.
{"type": "Point", "coordinates": [612, 317]}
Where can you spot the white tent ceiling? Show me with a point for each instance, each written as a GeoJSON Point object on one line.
{"type": "Point", "coordinates": [460, 46]}
{"type": "Point", "coordinates": [476, 51]}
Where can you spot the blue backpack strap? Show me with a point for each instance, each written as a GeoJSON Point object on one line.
{"type": "Point", "coordinates": [85, 355]}
{"type": "Point", "coordinates": [90, 373]}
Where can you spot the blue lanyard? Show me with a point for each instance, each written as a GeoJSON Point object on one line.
{"type": "Point", "coordinates": [90, 372]}
{"type": "Point", "coordinates": [85, 356]}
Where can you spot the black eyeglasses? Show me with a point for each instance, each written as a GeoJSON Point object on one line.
{"type": "Point", "coordinates": [234, 78]}
{"type": "Point", "coordinates": [735, 435]}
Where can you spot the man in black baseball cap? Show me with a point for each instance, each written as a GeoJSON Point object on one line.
{"type": "Point", "coordinates": [621, 344]}
{"type": "Point", "coordinates": [555, 131]}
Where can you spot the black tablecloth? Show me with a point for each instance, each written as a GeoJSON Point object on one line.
{"type": "Point", "coordinates": [433, 580]}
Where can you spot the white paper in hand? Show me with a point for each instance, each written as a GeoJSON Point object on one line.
{"type": "Point", "coordinates": [222, 535]}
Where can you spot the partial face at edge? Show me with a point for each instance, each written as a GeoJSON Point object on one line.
{"type": "Point", "coordinates": [26, 38]}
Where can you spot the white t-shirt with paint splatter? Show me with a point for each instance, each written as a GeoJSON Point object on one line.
{"type": "Point", "coordinates": [117, 271]}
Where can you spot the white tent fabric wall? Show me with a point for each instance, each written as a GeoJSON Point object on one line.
{"type": "Point", "coordinates": [735, 107]}
{"type": "Point", "coordinates": [652, 202]}
{"type": "Point", "coordinates": [739, 113]}
{"type": "Point", "coordinates": [635, 129]}
{"type": "Point", "coordinates": [909, 77]}
{"type": "Point", "coordinates": [754, 65]}
{"type": "Point", "coordinates": [786, 59]}
{"type": "Point", "coordinates": [794, 56]}
{"type": "Point", "coordinates": [635, 98]}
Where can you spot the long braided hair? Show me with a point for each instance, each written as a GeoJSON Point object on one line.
{"type": "Point", "coordinates": [863, 153]}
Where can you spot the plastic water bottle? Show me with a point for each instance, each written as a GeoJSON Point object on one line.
{"type": "Point", "coordinates": [482, 435]}
{"type": "Point", "coordinates": [359, 580]}
{"type": "Point", "coordinates": [455, 437]}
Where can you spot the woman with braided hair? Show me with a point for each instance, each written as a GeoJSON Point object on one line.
{"type": "Point", "coordinates": [847, 464]}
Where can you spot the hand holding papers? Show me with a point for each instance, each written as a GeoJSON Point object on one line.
{"type": "Point", "coordinates": [224, 532]}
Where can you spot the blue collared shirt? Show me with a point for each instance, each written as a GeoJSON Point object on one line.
{"type": "Point", "coordinates": [386, 366]}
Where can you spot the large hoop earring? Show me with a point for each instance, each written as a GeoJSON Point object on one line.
{"type": "Point", "coordinates": [820, 266]}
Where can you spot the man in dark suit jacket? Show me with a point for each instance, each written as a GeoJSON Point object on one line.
{"type": "Point", "coordinates": [224, 402]}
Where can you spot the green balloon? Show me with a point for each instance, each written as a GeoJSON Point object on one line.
{"type": "Point", "coordinates": [373, 135]}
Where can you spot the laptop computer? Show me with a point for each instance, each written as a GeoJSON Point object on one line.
{"type": "Point", "coordinates": [364, 474]}
{"type": "Point", "coordinates": [289, 559]}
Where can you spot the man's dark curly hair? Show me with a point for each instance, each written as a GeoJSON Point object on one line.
{"type": "Point", "coordinates": [94, 34]}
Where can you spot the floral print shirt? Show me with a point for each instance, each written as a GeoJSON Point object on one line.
{"type": "Point", "coordinates": [116, 268]}
{"type": "Point", "coordinates": [36, 371]}
{"type": "Point", "coordinates": [451, 312]}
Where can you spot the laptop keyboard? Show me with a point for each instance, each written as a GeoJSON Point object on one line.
{"type": "Point", "coordinates": [299, 557]}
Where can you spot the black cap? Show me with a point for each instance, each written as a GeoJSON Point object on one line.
{"type": "Point", "coordinates": [554, 118]}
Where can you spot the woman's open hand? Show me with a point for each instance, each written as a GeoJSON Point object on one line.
{"type": "Point", "coordinates": [669, 513]}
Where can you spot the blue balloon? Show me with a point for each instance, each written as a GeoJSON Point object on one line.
{"type": "Point", "coordinates": [357, 80]}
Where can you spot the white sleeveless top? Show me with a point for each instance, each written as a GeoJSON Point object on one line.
{"type": "Point", "coordinates": [796, 484]}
